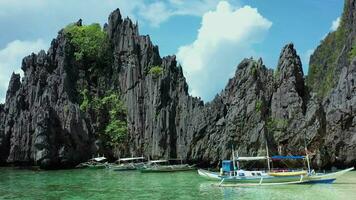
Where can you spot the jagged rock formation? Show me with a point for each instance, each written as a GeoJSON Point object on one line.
{"type": "Point", "coordinates": [335, 51]}
{"type": "Point", "coordinates": [42, 122]}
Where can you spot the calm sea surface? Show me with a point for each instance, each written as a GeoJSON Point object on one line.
{"type": "Point", "coordinates": [106, 184]}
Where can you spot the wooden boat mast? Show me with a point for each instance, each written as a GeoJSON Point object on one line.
{"type": "Point", "coordinates": [233, 157]}
{"type": "Point", "coordinates": [306, 152]}
{"type": "Point", "coordinates": [238, 163]}
{"type": "Point", "coordinates": [307, 157]}
{"type": "Point", "coordinates": [268, 164]}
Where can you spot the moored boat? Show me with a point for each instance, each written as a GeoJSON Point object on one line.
{"type": "Point", "coordinates": [94, 163]}
{"type": "Point", "coordinates": [158, 166]}
{"type": "Point", "coordinates": [124, 164]}
{"type": "Point", "coordinates": [229, 177]}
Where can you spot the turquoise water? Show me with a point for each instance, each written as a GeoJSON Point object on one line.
{"type": "Point", "coordinates": [106, 184]}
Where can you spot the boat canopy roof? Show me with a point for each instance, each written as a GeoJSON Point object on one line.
{"type": "Point", "coordinates": [158, 161]}
{"type": "Point", "coordinates": [98, 159]}
{"type": "Point", "coordinates": [287, 157]}
{"type": "Point", "coordinates": [129, 159]}
{"type": "Point", "coordinates": [251, 158]}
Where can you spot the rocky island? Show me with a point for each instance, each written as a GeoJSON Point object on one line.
{"type": "Point", "coordinates": [108, 91]}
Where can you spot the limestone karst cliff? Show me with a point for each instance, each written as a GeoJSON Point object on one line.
{"type": "Point", "coordinates": [44, 120]}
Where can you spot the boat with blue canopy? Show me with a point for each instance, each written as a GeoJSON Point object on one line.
{"type": "Point", "coordinates": [232, 175]}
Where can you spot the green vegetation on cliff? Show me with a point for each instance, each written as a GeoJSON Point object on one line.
{"type": "Point", "coordinates": [156, 71]}
{"type": "Point", "coordinates": [88, 40]}
{"type": "Point", "coordinates": [274, 124]}
{"type": "Point", "coordinates": [114, 130]}
{"type": "Point", "coordinates": [85, 102]}
{"type": "Point", "coordinates": [258, 105]}
{"type": "Point", "coordinates": [322, 68]}
{"type": "Point", "coordinates": [352, 53]}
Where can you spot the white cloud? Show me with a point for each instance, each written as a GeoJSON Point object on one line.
{"type": "Point", "coordinates": [10, 7]}
{"type": "Point", "coordinates": [44, 18]}
{"type": "Point", "coordinates": [153, 12]}
{"type": "Point", "coordinates": [335, 24]}
{"type": "Point", "coordinates": [160, 11]}
{"type": "Point", "coordinates": [225, 37]}
{"type": "Point", "coordinates": [11, 58]}
{"type": "Point", "coordinates": [156, 13]}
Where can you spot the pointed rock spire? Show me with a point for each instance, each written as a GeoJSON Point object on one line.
{"type": "Point", "coordinates": [14, 85]}
{"type": "Point", "coordinates": [290, 68]}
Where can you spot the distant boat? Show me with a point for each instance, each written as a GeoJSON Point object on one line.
{"type": "Point", "coordinates": [94, 163]}
{"type": "Point", "coordinates": [124, 164]}
{"type": "Point", "coordinates": [157, 166]}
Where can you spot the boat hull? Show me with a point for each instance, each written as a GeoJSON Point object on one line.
{"type": "Point", "coordinates": [208, 174]}
{"type": "Point", "coordinates": [162, 169]}
{"type": "Point", "coordinates": [263, 179]}
{"type": "Point", "coordinates": [96, 166]}
{"type": "Point", "coordinates": [165, 170]}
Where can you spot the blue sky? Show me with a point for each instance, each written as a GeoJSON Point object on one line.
{"type": "Point", "coordinates": [209, 37]}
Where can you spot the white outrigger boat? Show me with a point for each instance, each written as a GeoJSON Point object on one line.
{"type": "Point", "coordinates": [94, 163]}
{"type": "Point", "coordinates": [237, 177]}
{"type": "Point", "coordinates": [159, 166]}
{"type": "Point", "coordinates": [124, 164]}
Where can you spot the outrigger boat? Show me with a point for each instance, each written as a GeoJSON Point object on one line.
{"type": "Point", "coordinates": [241, 177]}
{"type": "Point", "coordinates": [94, 163]}
{"type": "Point", "coordinates": [157, 166]}
{"type": "Point", "coordinates": [124, 164]}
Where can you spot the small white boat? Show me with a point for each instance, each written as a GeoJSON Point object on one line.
{"type": "Point", "coordinates": [124, 164]}
{"type": "Point", "coordinates": [94, 163]}
{"type": "Point", "coordinates": [158, 166]}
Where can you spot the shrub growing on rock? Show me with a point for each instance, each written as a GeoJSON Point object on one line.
{"type": "Point", "coordinates": [88, 40]}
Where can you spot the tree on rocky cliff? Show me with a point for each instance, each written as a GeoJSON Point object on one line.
{"type": "Point", "coordinates": [88, 40]}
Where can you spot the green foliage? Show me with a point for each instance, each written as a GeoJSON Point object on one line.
{"type": "Point", "coordinates": [156, 70]}
{"type": "Point", "coordinates": [157, 114]}
{"type": "Point", "coordinates": [115, 129]}
{"type": "Point", "coordinates": [85, 100]}
{"type": "Point", "coordinates": [276, 73]}
{"type": "Point", "coordinates": [254, 71]}
{"type": "Point", "coordinates": [258, 105]}
{"type": "Point", "coordinates": [352, 53]}
{"type": "Point", "coordinates": [322, 69]}
{"type": "Point", "coordinates": [276, 124]}
{"type": "Point", "coordinates": [65, 108]}
{"type": "Point", "coordinates": [87, 40]}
